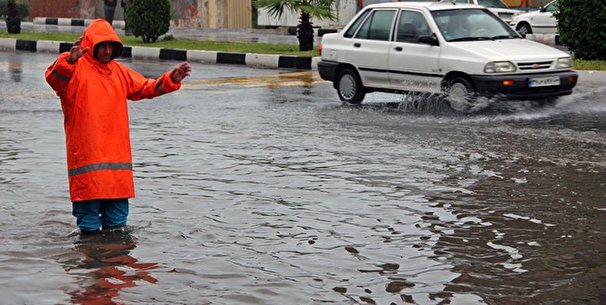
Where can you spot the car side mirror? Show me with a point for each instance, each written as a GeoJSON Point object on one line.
{"type": "Point", "coordinates": [431, 40]}
{"type": "Point", "coordinates": [542, 9]}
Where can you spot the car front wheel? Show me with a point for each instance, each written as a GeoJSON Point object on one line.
{"type": "Point", "coordinates": [524, 28]}
{"type": "Point", "coordinates": [349, 87]}
{"type": "Point", "coordinates": [460, 95]}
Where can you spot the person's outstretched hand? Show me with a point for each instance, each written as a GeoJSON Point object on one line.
{"type": "Point", "coordinates": [180, 72]}
{"type": "Point", "coordinates": [76, 51]}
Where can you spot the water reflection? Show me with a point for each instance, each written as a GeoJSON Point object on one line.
{"type": "Point", "coordinates": [16, 70]}
{"type": "Point", "coordinates": [106, 268]}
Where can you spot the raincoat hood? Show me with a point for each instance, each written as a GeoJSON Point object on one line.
{"type": "Point", "coordinates": [99, 31]}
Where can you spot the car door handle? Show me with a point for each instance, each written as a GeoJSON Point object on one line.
{"type": "Point", "coordinates": [399, 49]}
{"type": "Point", "coordinates": [357, 45]}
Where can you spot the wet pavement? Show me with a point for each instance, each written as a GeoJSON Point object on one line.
{"type": "Point", "coordinates": [259, 187]}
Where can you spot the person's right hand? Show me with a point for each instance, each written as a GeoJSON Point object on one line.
{"type": "Point", "coordinates": [76, 51]}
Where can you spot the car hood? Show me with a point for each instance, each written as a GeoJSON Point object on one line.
{"type": "Point", "coordinates": [504, 10]}
{"type": "Point", "coordinates": [504, 13]}
{"type": "Point", "coordinates": [509, 49]}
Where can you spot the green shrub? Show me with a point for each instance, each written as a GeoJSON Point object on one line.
{"type": "Point", "coordinates": [23, 9]}
{"type": "Point", "coordinates": [581, 27]}
{"type": "Point", "coordinates": [148, 19]}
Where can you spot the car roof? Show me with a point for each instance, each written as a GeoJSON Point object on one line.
{"type": "Point", "coordinates": [429, 5]}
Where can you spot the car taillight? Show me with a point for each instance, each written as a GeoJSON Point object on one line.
{"type": "Point", "coordinates": [320, 49]}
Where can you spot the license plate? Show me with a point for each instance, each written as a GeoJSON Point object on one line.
{"type": "Point", "coordinates": [544, 81]}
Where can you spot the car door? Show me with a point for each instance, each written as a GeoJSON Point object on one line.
{"type": "Point", "coordinates": [413, 66]}
{"type": "Point", "coordinates": [369, 47]}
{"type": "Point", "coordinates": [545, 22]}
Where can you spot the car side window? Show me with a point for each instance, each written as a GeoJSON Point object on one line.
{"type": "Point", "coordinates": [411, 26]}
{"type": "Point", "coordinates": [377, 26]}
{"type": "Point", "coordinates": [354, 27]}
{"type": "Point", "coordinates": [553, 7]}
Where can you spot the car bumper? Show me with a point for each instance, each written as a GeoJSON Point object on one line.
{"type": "Point", "coordinates": [517, 86]}
{"type": "Point", "coordinates": [328, 70]}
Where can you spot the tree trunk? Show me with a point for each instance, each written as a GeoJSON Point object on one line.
{"type": "Point", "coordinates": [13, 20]}
{"type": "Point", "coordinates": [305, 33]}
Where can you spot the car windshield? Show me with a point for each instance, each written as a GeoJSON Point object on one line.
{"type": "Point", "coordinates": [471, 25]}
{"type": "Point", "coordinates": [492, 3]}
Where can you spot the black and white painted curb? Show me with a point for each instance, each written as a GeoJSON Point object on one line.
{"type": "Point", "coordinates": [146, 53]}
{"type": "Point", "coordinates": [118, 24]}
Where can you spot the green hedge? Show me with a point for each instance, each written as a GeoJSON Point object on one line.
{"type": "Point", "coordinates": [23, 9]}
{"type": "Point", "coordinates": [148, 19]}
{"type": "Point", "coordinates": [581, 24]}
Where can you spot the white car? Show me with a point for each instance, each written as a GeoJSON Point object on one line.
{"type": "Point", "coordinates": [537, 22]}
{"type": "Point", "coordinates": [497, 7]}
{"type": "Point", "coordinates": [460, 51]}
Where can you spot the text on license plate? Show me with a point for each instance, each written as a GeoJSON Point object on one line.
{"type": "Point", "coordinates": [544, 81]}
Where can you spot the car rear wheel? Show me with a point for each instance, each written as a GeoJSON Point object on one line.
{"type": "Point", "coordinates": [524, 28]}
{"type": "Point", "coordinates": [349, 87]}
{"type": "Point", "coordinates": [460, 95]}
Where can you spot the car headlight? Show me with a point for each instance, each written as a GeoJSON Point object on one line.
{"type": "Point", "coordinates": [564, 62]}
{"type": "Point", "coordinates": [499, 67]}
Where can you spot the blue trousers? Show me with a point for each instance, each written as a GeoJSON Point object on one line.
{"type": "Point", "coordinates": [92, 215]}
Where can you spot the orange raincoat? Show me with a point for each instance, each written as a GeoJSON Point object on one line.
{"type": "Point", "coordinates": [93, 97]}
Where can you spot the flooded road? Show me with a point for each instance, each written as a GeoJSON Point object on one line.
{"type": "Point", "coordinates": [259, 187]}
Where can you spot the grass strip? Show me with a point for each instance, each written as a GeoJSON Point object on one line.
{"type": "Point", "coordinates": [595, 65]}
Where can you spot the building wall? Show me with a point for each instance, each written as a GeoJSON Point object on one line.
{"type": "Point", "coordinates": [62, 8]}
{"type": "Point", "coordinates": [189, 13]}
{"type": "Point", "coordinates": [525, 3]}
{"type": "Point", "coordinates": [239, 14]}
{"type": "Point", "coordinates": [213, 14]}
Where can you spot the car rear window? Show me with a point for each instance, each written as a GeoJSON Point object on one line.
{"type": "Point", "coordinates": [354, 27]}
{"type": "Point", "coordinates": [377, 26]}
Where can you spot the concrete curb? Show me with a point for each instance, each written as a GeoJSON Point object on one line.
{"type": "Point", "coordinates": [118, 24]}
{"type": "Point", "coordinates": [147, 53]}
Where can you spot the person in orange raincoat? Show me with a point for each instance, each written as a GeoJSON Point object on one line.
{"type": "Point", "coordinates": [94, 88]}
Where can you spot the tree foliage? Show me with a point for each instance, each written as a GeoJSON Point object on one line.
{"type": "Point", "coordinates": [148, 19]}
{"type": "Point", "coordinates": [22, 8]}
{"type": "Point", "coordinates": [582, 27]}
{"type": "Point", "coordinates": [321, 9]}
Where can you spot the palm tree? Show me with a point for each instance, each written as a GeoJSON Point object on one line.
{"type": "Point", "coordinates": [321, 9]}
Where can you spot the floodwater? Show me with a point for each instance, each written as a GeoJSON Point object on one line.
{"type": "Point", "coordinates": [259, 187]}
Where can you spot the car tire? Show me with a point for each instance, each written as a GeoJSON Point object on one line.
{"type": "Point", "coordinates": [460, 95]}
{"type": "Point", "coordinates": [524, 29]}
{"type": "Point", "coordinates": [349, 87]}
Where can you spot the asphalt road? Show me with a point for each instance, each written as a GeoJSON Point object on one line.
{"type": "Point", "coordinates": [256, 186]}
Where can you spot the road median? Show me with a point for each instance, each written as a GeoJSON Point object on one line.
{"type": "Point", "coordinates": [151, 53]}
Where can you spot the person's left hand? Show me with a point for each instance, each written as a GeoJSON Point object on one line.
{"type": "Point", "coordinates": [180, 72]}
